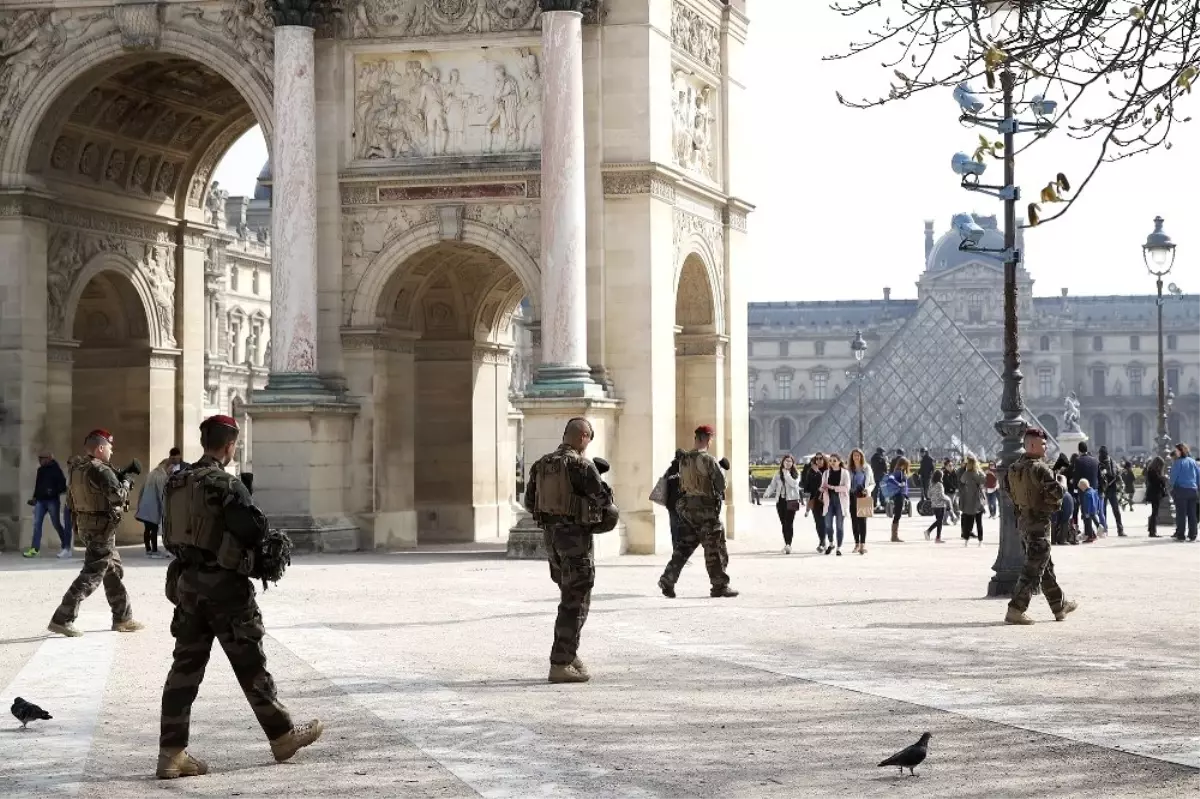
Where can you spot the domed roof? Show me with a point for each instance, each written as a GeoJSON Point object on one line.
{"type": "Point", "coordinates": [945, 254]}
{"type": "Point", "coordinates": [262, 192]}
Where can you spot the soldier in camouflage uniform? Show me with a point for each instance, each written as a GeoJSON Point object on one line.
{"type": "Point", "coordinates": [212, 526]}
{"type": "Point", "coordinates": [569, 502]}
{"type": "Point", "coordinates": [702, 490]}
{"type": "Point", "coordinates": [96, 497]}
{"type": "Point", "coordinates": [1037, 496]}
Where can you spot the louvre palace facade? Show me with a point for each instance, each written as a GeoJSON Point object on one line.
{"type": "Point", "coordinates": [921, 353]}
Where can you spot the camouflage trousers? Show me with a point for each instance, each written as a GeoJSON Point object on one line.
{"type": "Point", "coordinates": [1038, 570]}
{"type": "Point", "coordinates": [216, 603]}
{"type": "Point", "coordinates": [699, 525]}
{"type": "Point", "coordinates": [573, 570]}
{"type": "Point", "coordinates": [101, 565]}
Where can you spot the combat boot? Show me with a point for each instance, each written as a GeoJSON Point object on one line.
{"type": "Point", "coordinates": [66, 628]}
{"type": "Point", "coordinates": [723, 591]}
{"type": "Point", "coordinates": [566, 672]}
{"type": "Point", "coordinates": [1070, 606]}
{"type": "Point", "coordinates": [580, 667]}
{"type": "Point", "coordinates": [295, 739]}
{"type": "Point", "coordinates": [175, 763]}
{"type": "Point", "coordinates": [128, 626]}
{"type": "Point", "coordinates": [667, 589]}
{"type": "Point", "coordinates": [1015, 616]}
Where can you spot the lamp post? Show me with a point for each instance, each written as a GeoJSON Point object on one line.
{"type": "Point", "coordinates": [859, 347]}
{"type": "Point", "coordinates": [1158, 253]}
{"type": "Point", "coordinates": [961, 403]}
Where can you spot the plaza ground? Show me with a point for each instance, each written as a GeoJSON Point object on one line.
{"type": "Point", "coordinates": [428, 669]}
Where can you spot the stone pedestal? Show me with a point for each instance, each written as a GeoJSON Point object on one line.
{"type": "Point", "coordinates": [544, 422]}
{"type": "Point", "coordinates": [564, 370]}
{"type": "Point", "coordinates": [1068, 442]}
{"type": "Point", "coordinates": [301, 473]}
{"type": "Point", "coordinates": [294, 215]}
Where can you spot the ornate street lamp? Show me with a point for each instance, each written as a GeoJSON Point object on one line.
{"type": "Point", "coordinates": [859, 347]}
{"type": "Point", "coordinates": [961, 403]}
{"type": "Point", "coordinates": [1158, 253]}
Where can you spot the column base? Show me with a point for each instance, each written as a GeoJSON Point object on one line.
{"type": "Point", "coordinates": [525, 540]}
{"type": "Point", "coordinates": [295, 384]}
{"type": "Point", "coordinates": [301, 466]}
{"type": "Point", "coordinates": [556, 381]}
{"type": "Point", "coordinates": [1003, 583]}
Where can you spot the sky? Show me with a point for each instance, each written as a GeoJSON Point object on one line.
{"type": "Point", "coordinates": [842, 194]}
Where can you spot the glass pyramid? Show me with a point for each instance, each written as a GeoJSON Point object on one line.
{"type": "Point", "coordinates": [909, 392]}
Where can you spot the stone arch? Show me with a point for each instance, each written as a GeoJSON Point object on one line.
{"type": "Point", "coordinates": [1101, 430]}
{"type": "Point", "coordinates": [695, 248]}
{"type": "Point", "coordinates": [98, 52]}
{"type": "Point", "coordinates": [785, 434]}
{"type": "Point", "coordinates": [362, 308]}
{"type": "Point", "coordinates": [126, 268]}
{"type": "Point", "coordinates": [695, 300]}
{"type": "Point", "coordinates": [1136, 429]}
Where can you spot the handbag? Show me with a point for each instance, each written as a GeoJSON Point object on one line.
{"type": "Point", "coordinates": [659, 495]}
{"type": "Point", "coordinates": [793, 505]}
{"type": "Point", "coordinates": [864, 507]}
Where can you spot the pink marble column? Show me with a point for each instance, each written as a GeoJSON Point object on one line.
{"type": "Point", "coordinates": [564, 368]}
{"type": "Point", "coordinates": [294, 212]}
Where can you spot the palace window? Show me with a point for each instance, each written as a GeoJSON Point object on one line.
{"type": "Point", "coordinates": [819, 348]}
{"type": "Point", "coordinates": [1044, 344]}
{"type": "Point", "coordinates": [1098, 382]}
{"type": "Point", "coordinates": [1097, 343]}
{"type": "Point", "coordinates": [233, 277]}
{"type": "Point", "coordinates": [783, 349]}
{"type": "Point", "coordinates": [1136, 374]}
{"type": "Point", "coordinates": [1173, 379]}
{"type": "Point", "coordinates": [784, 381]}
{"type": "Point", "coordinates": [1172, 341]}
{"type": "Point", "coordinates": [254, 281]}
{"type": "Point", "coordinates": [975, 308]}
{"type": "Point", "coordinates": [1135, 343]}
{"type": "Point", "coordinates": [1046, 382]}
{"type": "Point", "coordinates": [820, 386]}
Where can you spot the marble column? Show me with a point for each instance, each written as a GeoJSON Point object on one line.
{"type": "Point", "coordinates": [564, 370]}
{"type": "Point", "coordinates": [294, 214]}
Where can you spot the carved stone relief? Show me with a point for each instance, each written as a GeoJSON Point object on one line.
{"type": "Point", "coordinates": [696, 36]}
{"type": "Point", "coordinates": [711, 231]}
{"type": "Point", "coordinates": [243, 26]}
{"type": "Point", "coordinates": [140, 24]}
{"type": "Point", "coordinates": [694, 124]}
{"type": "Point", "coordinates": [382, 18]}
{"type": "Point", "coordinates": [448, 103]}
{"type": "Point", "coordinates": [522, 223]}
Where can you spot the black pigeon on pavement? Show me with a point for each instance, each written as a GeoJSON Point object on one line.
{"type": "Point", "coordinates": [910, 757]}
{"type": "Point", "coordinates": [26, 712]}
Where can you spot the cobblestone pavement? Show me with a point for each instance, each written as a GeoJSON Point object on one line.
{"type": "Point", "coordinates": [428, 669]}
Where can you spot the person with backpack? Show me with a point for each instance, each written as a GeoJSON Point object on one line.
{"type": "Point", "coordinates": [991, 487]}
{"type": "Point", "coordinates": [895, 490]}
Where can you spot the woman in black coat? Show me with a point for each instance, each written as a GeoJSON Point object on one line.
{"type": "Point", "coordinates": [1156, 490]}
{"type": "Point", "coordinates": [812, 487]}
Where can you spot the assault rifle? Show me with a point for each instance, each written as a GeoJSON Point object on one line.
{"type": "Point", "coordinates": [610, 514]}
{"type": "Point", "coordinates": [126, 475]}
{"type": "Point", "coordinates": [274, 554]}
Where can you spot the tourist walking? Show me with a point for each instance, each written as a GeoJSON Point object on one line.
{"type": "Point", "coordinates": [938, 503]}
{"type": "Point", "coordinates": [816, 503]}
{"type": "Point", "coordinates": [971, 499]}
{"type": "Point", "coordinates": [1110, 489]}
{"type": "Point", "coordinates": [895, 490]}
{"type": "Point", "coordinates": [862, 487]}
{"type": "Point", "coordinates": [991, 486]}
{"type": "Point", "coordinates": [950, 484]}
{"type": "Point", "coordinates": [48, 487]}
{"type": "Point", "coordinates": [835, 494]}
{"type": "Point", "coordinates": [1156, 491]}
{"type": "Point", "coordinates": [925, 471]}
{"type": "Point", "coordinates": [150, 504]}
{"type": "Point", "coordinates": [785, 489]}
{"type": "Point", "coordinates": [1185, 480]}
{"type": "Point", "coordinates": [879, 470]}
{"type": "Point", "coordinates": [1127, 484]}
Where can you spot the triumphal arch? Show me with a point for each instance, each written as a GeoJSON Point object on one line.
{"type": "Point", "coordinates": [434, 163]}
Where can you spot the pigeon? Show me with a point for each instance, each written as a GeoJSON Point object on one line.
{"type": "Point", "coordinates": [910, 757]}
{"type": "Point", "coordinates": [26, 712]}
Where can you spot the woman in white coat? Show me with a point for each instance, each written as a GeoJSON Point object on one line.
{"type": "Point", "coordinates": [862, 484]}
{"type": "Point", "coordinates": [785, 489]}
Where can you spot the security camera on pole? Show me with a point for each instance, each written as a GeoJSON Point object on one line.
{"type": "Point", "coordinates": [1012, 425]}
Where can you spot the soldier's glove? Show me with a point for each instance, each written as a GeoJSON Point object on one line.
{"type": "Point", "coordinates": [127, 484]}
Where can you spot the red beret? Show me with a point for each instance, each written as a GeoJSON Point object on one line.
{"type": "Point", "coordinates": [100, 433]}
{"type": "Point", "coordinates": [706, 430]}
{"type": "Point", "coordinates": [1037, 432]}
{"type": "Point", "coordinates": [221, 419]}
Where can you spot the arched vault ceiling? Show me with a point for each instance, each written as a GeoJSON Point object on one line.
{"type": "Point", "coordinates": [139, 128]}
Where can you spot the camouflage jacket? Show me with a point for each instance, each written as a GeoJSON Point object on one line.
{"type": "Point", "coordinates": [1034, 490]}
{"type": "Point", "coordinates": [585, 483]}
{"type": "Point", "coordinates": [102, 482]}
{"type": "Point", "coordinates": [226, 497]}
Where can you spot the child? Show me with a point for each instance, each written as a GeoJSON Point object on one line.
{"type": "Point", "coordinates": [939, 502]}
{"type": "Point", "coordinates": [1089, 507]}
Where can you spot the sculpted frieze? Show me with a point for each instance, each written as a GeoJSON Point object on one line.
{"type": "Point", "coordinates": [406, 18]}
{"type": "Point", "coordinates": [696, 36]}
{"type": "Point", "coordinates": [711, 231]}
{"type": "Point", "coordinates": [243, 26]}
{"type": "Point", "coordinates": [693, 135]}
{"type": "Point", "coordinates": [425, 105]}
{"type": "Point", "coordinates": [522, 223]}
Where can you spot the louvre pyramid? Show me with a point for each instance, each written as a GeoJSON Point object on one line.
{"type": "Point", "coordinates": [909, 395]}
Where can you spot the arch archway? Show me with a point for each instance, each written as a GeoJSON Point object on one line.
{"type": "Point", "coordinates": [1049, 423]}
{"type": "Point", "coordinates": [1175, 427]}
{"type": "Point", "coordinates": [1100, 430]}
{"type": "Point", "coordinates": [785, 435]}
{"type": "Point", "coordinates": [699, 354]}
{"type": "Point", "coordinates": [108, 374]}
{"type": "Point", "coordinates": [1135, 432]}
{"type": "Point", "coordinates": [434, 365]}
